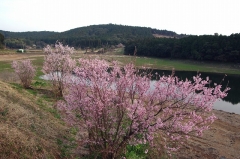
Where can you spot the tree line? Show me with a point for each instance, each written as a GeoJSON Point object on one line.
{"type": "Point", "coordinates": [205, 47]}
{"type": "Point", "coordinates": [91, 36]}
{"type": "Point", "coordinates": [1, 41]}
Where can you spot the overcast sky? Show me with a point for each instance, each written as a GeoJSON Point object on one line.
{"type": "Point", "coordinates": [196, 17]}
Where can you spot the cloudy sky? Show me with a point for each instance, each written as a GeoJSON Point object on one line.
{"type": "Point", "coordinates": [182, 16]}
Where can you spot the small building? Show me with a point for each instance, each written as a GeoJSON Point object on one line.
{"type": "Point", "coordinates": [20, 50]}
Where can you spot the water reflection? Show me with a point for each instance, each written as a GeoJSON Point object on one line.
{"type": "Point", "coordinates": [227, 106]}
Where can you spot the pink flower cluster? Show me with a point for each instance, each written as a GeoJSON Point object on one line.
{"type": "Point", "coordinates": [116, 106]}
{"type": "Point", "coordinates": [25, 71]}
{"type": "Point", "coordinates": [58, 65]}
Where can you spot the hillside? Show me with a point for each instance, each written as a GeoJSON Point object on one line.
{"type": "Point", "coordinates": [89, 36]}
{"type": "Point", "coordinates": [29, 128]}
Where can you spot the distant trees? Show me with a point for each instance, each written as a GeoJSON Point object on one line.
{"type": "Point", "coordinates": [207, 47]}
{"type": "Point", "coordinates": [15, 43]}
{"type": "Point", "coordinates": [164, 32]}
{"type": "Point", "coordinates": [1, 41]}
{"type": "Point", "coordinates": [91, 36]}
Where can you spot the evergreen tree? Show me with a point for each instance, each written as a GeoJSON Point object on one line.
{"type": "Point", "coordinates": [1, 41]}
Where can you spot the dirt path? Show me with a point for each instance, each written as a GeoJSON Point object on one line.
{"type": "Point", "coordinates": [11, 57]}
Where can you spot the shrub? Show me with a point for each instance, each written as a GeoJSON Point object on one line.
{"type": "Point", "coordinates": [118, 107]}
{"type": "Point", "coordinates": [58, 65]}
{"type": "Point", "coordinates": [25, 71]}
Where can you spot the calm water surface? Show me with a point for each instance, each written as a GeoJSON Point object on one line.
{"type": "Point", "coordinates": [231, 103]}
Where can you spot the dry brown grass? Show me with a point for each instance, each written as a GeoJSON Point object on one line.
{"type": "Point", "coordinates": [26, 130]}
{"type": "Point", "coordinates": [7, 76]}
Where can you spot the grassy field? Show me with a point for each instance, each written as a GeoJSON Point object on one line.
{"type": "Point", "coordinates": [186, 65]}
{"type": "Point", "coordinates": [7, 51]}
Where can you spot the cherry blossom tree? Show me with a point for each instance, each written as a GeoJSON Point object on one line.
{"type": "Point", "coordinates": [118, 106]}
{"type": "Point", "coordinates": [25, 71]}
{"type": "Point", "coordinates": [58, 66]}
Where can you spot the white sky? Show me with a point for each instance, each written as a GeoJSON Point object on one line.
{"type": "Point", "coordinates": [182, 16]}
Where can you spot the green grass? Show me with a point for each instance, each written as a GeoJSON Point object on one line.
{"type": "Point", "coordinates": [66, 147]}
{"type": "Point", "coordinates": [43, 106]}
{"type": "Point", "coordinates": [38, 61]}
{"type": "Point", "coordinates": [7, 51]}
{"type": "Point", "coordinates": [4, 65]}
{"type": "Point", "coordinates": [136, 151]}
{"type": "Point", "coordinates": [186, 65]}
{"type": "Point", "coordinates": [179, 65]}
{"type": "Point", "coordinates": [169, 64]}
{"type": "Point", "coordinates": [41, 100]}
{"type": "Point", "coordinates": [118, 51]}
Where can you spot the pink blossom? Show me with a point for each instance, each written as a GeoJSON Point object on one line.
{"type": "Point", "coordinates": [117, 106]}
{"type": "Point", "coordinates": [25, 71]}
{"type": "Point", "coordinates": [58, 65]}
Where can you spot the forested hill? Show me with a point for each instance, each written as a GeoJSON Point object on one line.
{"type": "Point", "coordinates": [28, 35]}
{"type": "Point", "coordinates": [205, 47]}
{"type": "Point", "coordinates": [90, 36]}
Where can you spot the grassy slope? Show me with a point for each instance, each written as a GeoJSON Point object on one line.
{"type": "Point", "coordinates": [29, 127]}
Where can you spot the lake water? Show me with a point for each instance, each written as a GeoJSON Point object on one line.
{"type": "Point", "coordinates": [231, 103]}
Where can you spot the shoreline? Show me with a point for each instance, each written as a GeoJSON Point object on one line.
{"type": "Point", "coordinates": [222, 140]}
